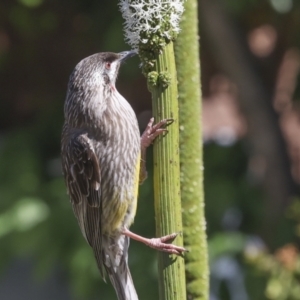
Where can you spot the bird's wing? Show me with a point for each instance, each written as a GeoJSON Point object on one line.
{"type": "Point", "coordinates": [83, 174]}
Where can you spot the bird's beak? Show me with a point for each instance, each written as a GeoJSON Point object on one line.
{"type": "Point", "coordinates": [126, 54]}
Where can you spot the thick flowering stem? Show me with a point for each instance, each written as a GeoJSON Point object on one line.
{"type": "Point", "coordinates": [166, 176]}
{"type": "Point", "coordinates": [150, 27]}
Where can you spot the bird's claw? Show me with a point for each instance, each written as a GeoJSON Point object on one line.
{"type": "Point", "coordinates": [152, 131]}
{"type": "Point", "coordinates": [162, 244]}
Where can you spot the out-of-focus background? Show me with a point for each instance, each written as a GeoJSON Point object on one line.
{"type": "Point", "coordinates": [250, 60]}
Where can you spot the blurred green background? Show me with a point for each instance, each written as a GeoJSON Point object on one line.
{"type": "Point", "coordinates": [250, 61]}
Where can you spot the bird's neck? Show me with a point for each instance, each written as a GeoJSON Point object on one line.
{"type": "Point", "coordinates": [103, 114]}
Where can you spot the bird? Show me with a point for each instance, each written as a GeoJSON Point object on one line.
{"type": "Point", "coordinates": [103, 162]}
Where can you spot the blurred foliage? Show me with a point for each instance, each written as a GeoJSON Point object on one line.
{"type": "Point", "coordinates": [281, 268]}
{"type": "Point", "coordinates": [40, 43]}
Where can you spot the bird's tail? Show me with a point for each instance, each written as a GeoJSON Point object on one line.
{"type": "Point", "coordinates": [122, 283]}
{"type": "Point", "coordinates": [115, 261]}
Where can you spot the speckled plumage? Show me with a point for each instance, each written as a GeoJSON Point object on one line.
{"type": "Point", "coordinates": [101, 159]}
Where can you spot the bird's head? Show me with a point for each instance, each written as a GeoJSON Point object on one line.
{"type": "Point", "coordinates": [91, 83]}
{"type": "Point", "coordinates": [111, 63]}
{"type": "Point", "coordinates": [99, 69]}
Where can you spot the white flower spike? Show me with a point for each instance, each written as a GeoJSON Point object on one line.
{"type": "Point", "coordinates": [143, 18]}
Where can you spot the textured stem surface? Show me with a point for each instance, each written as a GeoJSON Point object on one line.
{"type": "Point", "coordinates": [167, 179]}
{"type": "Point", "coordinates": [191, 163]}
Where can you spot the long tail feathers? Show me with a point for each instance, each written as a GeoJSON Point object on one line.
{"type": "Point", "coordinates": [111, 252]}
{"type": "Point", "coordinates": [122, 283]}
{"type": "Point", "coordinates": [113, 256]}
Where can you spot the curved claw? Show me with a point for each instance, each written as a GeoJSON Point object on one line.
{"type": "Point", "coordinates": [169, 122]}
{"type": "Point", "coordinates": [152, 131]}
{"type": "Point", "coordinates": [165, 133]}
{"type": "Point", "coordinates": [162, 245]}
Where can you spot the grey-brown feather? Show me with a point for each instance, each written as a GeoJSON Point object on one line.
{"type": "Point", "coordinates": [100, 151]}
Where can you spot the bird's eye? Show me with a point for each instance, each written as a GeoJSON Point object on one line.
{"type": "Point", "coordinates": [107, 65]}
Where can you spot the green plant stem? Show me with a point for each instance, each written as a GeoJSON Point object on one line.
{"type": "Point", "coordinates": [191, 162]}
{"type": "Point", "coordinates": [167, 178]}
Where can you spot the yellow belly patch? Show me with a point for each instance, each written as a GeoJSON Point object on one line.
{"type": "Point", "coordinates": [122, 208]}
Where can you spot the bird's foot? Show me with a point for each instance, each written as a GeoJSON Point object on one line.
{"type": "Point", "coordinates": [152, 131]}
{"type": "Point", "coordinates": [160, 244]}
